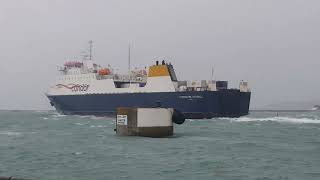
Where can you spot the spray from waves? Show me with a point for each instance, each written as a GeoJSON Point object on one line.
{"type": "Point", "coordinates": [276, 119]}
{"type": "Point", "coordinates": [309, 116]}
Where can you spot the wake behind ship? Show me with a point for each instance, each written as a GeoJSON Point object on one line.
{"type": "Point", "coordinates": [85, 88]}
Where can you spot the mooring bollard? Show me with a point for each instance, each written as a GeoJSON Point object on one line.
{"type": "Point", "coordinates": [148, 122]}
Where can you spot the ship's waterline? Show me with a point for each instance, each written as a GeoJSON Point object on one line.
{"type": "Point", "coordinates": [211, 104]}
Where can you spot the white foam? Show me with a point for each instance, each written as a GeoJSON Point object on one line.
{"type": "Point", "coordinates": [276, 119]}
{"type": "Point", "coordinates": [77, 153]}
{"type": "Point", "coordinates": [84, 117]}
{"type": "Point", "coordinates": [97, 117]}
{"type": "Point", "coordinates": [10, 133]}
{"type": "Point", "coordinates": [58, 115]}
{"type": "Point", "coordinates": [97, 126]}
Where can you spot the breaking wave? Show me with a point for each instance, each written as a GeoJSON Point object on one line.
{"type": "Point", "coordinates": [59, 115]}
{"type": "Point", "coordinates": [276, 119]}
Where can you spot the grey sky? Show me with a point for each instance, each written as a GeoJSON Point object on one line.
{"type": "Point", "coordinates": [274, 44]}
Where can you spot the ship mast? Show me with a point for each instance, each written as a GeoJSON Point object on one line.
{"type": "Point", "coordinates": [87, 57]}
{"type": "Point", "coordinates": [90, 49]}
{"type": "Point", "coordinates": [129, 59]}
{"type": "Point", "coordinates": [213, 77]}
{"type": "Point", "coordinates": [129, 63]}
{"type": "Point", "coordinates": [212, 74]}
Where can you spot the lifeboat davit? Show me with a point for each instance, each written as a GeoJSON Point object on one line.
{"type": "Point", "coordinates": [104, 71]}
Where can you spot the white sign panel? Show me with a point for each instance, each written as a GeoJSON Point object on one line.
{"type": "Point", "coordinates": [154, 117]}
{"type": "Point", "coordinates": [122, 119]}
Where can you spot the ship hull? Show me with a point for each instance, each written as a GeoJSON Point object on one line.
{"type": "Point", "coordinates": [194, 105]}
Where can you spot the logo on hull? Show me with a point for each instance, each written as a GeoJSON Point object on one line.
{"type": "Point", "coordinates": [74, 87]}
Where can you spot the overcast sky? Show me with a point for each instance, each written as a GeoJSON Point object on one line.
{"type": "Point", "coordinates": [273, 44]}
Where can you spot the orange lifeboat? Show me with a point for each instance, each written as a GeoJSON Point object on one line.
{"type": "Point", "coordinates": [104, 71]}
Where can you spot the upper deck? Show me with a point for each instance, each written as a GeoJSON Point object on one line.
{"type": "Point", "coordinates": [87, 77]}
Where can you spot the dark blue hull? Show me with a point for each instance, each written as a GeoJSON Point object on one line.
{"type": "Point", "coordinates": [194, 105]}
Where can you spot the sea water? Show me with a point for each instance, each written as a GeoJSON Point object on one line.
{"type": "Point", "coordinates": [261, 146]}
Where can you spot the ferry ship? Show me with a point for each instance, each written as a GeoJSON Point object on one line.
{"type": "Point", "coordinates": [86, 88]}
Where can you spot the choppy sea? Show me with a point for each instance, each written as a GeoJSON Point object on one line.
{"type": "Point", "coordinates": [44, 145]}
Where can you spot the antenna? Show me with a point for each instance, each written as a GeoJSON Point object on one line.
{"type": "Point", "coordinates": [129, 59]}
{"type": "Point", "coordinates": [129, 63]}
{"type": "Point", "coordinates": [90, 49]}
{"type": "Point", "coordinates": [212, 73]}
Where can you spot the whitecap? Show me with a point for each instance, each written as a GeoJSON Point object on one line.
{"type": "Point", "coordinates": [276, 119]}
{"type": "Point", "coordinates": [83, 116]}
{"type": "Point", "coordinates": [10, 133]}
{"type": "Point", "coordinates": [77, 153]}
{"type": "Point", "coordinates": [97, 117]}
{"type": "Point", "coordinates": [58, 115]}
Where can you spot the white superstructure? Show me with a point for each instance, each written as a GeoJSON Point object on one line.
{"type": "Point", "coordinates": [86, 77]}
